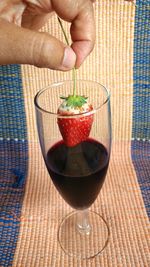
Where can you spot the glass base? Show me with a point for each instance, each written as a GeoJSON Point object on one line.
{"type": "Point", "coordinates": [83, 244]}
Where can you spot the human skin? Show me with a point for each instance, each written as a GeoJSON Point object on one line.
{"type": "Point", "coordinates": [22, 43]}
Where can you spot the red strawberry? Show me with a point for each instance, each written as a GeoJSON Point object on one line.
{"type": "Point", "coordinates": [75, 130]}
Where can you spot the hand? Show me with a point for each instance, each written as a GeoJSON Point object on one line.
{"type": "Point", "coordinates": [20, 42]}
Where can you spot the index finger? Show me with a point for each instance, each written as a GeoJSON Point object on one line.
{"type": "Point", "coordinates": [80, 14]}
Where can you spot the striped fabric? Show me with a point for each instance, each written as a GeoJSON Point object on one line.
{"type": "Point", "coordinates": [141, 100]}
{"type": "Point", "coordinates": [13, 159]}
{"type": "Point", "coordinates": [31, 209]}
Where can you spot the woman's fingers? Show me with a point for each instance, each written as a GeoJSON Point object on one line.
{"type": "Point", "coordinates": [23, 46]}
{"type": "Point", "coordinates": [20, 45]}
{"type": "Point", "coordinates": [80, 14]}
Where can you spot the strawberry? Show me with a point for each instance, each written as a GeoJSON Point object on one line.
{"type": "Point", "coordinates": [75, 130]}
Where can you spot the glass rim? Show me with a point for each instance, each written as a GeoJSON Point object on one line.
{"type": "Point", "coordinates": [55, 84]}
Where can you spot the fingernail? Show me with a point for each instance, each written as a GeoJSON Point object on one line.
{"type": "Point", "coordinates": [69, 58]}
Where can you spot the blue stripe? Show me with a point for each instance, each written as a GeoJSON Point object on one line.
{"type": "Point", "coordinates": [12, 112]}
{"type": "Point", "coordinates": [141, 99]}
{"type": "Point", "coordinates": [13, 159]}
{"type": "Point", "coordinates": [141, 69]}
{"type": "Point", "coordinates": [141, 160]}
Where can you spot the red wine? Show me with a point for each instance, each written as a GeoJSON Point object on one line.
{"type": "Point", "coordinates": [78, 172]}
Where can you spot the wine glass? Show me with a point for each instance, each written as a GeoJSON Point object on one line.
{"type": "Point", "coordinates": [77, 172]}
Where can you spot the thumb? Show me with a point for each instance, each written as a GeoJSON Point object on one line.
{"type": "Point", "coordinates": [23, 46]}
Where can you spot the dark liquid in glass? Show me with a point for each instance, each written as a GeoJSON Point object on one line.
{"type": "Point", "coordinates": [78, 172]}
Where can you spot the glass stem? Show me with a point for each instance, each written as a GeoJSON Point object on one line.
{"type": "Point", "coordinates": [83, 225]}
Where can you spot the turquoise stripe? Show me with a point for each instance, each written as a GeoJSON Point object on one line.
{"type": "Point", "coordinates": [12, 111]}
{"type": "Point", "coordinates": [140, 148]}
{"type": "Point", "coordinates": [141, 92]}
{"type": "Point", "coordinates": [13, 159]}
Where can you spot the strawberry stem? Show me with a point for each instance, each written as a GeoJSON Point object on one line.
{"type": "Point", "coordinates": [74, 77]}
{"type": "Point", "coordinates": [63, 30]}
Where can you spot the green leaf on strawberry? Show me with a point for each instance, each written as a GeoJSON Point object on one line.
{"type": "Point", "coordinates": [75, 100]}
